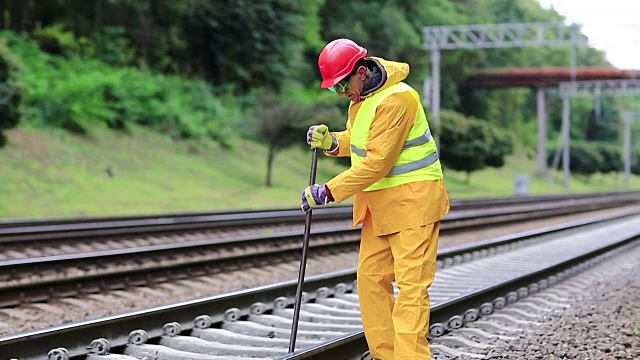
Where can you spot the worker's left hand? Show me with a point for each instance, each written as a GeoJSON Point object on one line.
{"type": "Point", "coordinates": [314, 196]}
{"type": "Point", "coordinates": [319, 137]}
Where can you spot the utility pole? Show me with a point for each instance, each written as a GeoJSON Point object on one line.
{"type": "Point", "coordinates": [566, 136]}
{"type": "Point", "coordinates": [542, 132]}
{"type": "Point", "coordinates": [628, 117]}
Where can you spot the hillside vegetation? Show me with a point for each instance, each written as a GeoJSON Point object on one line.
{"type": "Point", "coordinates": [49, 173]}
{"type": "Point", "coordinates": [127, 106]}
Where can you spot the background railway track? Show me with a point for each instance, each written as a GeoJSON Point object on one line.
{"type": "Point", "coordinates": [101, 262]}
{"type": "Point", "coordinates": [27, 279]}
{"type": "Point", "coordinates": [234, 217]}
{"type": "Point", "coordinates": [518, 263]}
{"type": "Point", "coordinates": [37, 240]}
{"type": "Point", "coordinates": [41, 231]}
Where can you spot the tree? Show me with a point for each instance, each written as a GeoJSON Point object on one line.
{"type": "Point", "coordinates": [584, 159]}
{"type": "Point", "coordinates": [605, 127]}
{"type": "Point", "coordinates": [250, 44]}
{"type": "Point", "coordinates": [502, 146]}
{"type": "Point", "coordinates": [10, 91]}
{"type": "Point", "coordinates": [635, 163]}
{"type": "Point", "coordinates": [283, 123]}
{"type": "Point", "coordinates": [611, 158]}
{"type": "Point", "coordinates": [465, 143]}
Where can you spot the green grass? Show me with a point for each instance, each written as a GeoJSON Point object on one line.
{"type": "Point", "coordinates": [50, 173]}
{"type": "Point", "coordinates": [500, 182]}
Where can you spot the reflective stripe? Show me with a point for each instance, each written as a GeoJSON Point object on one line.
{"type": "Point", "coordinates": [360, 152]}
{"type": "Point", "coordinates": [418, 160]}
{"type": "Point", "coordinates": [414, 165]}
{"type": "Point", "coordinates": [420, 140]}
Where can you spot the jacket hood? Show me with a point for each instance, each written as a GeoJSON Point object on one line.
{"type": "Point", "coordinates": [395, 72]}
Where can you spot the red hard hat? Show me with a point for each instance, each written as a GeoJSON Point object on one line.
{"type": "Point", "coordinates": [337, 60]}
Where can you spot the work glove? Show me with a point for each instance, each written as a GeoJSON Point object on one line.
{"type": "Point", "coordinates": [314, 196]}
{"type": "Point", "coordinates": [319, 137]}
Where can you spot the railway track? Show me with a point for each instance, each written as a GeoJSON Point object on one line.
{"type": "Point", "coordinates": [472, 282]}
{"type": "Point", "coordinates": [13, 232]}
{"type": "Point", "coordinates": [543, 324]}
{"type": "Point", "coordinates": [37, 279]}
{"type": "Point", "coordinates": [253, 217]}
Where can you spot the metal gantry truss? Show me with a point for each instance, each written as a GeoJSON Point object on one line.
{"type": "Point", "coordinates": [581, 89]}
{"type": "Point", "coordinates": [501, 36]}
{"type": "Point", "coordinates": [599, 88]}
{"type": "Point", "coordinates": [486, 36]}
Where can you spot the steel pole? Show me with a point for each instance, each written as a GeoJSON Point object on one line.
{"type": "Point", "coordinates": [566, 131]}
{"type": "Point", "coordinates": [435, 90]}
{"type": "Point", "coordinates": [542, 133]}
{"type": "Point", "coordinates": [626, 154]}
{"type": "Point", "coordinates": [574, 51]}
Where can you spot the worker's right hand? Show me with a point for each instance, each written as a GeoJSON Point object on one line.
{"type": "Point", "coordinates": [319, 137]}
{"type": "Point", "coordinates": [314, 196]}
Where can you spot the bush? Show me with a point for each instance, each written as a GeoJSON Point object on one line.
{"type": "Point", "coordinates": [74, 92]}
{"type": "Point", "coordinates": [503, 143]}
{"type": "Point", "coordinates": [56, 40]}
{"type": "Point", "coordinates": [468, 144]}
{"type": "Point", "coordinates": [635, 163]}
{"type": "Point", "coordinates": [584, 158]}
{"type": "Point", "coordinates": [611, 158]}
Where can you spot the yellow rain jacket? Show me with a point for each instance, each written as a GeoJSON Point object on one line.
{"type": "Point", "coordinates": [396, 208]}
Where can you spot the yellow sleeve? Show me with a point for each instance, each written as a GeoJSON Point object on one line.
{"type": "Point", "coordinates": [389, 130]}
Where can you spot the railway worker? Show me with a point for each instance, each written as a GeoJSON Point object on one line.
{"type": "Point", "coordinates": [399, 194]}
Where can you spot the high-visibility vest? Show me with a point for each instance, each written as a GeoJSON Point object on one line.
{"type": "Point", "coordinates": [418, 160]}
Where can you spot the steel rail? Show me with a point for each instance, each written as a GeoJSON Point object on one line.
{"type": "Point", "coordinates": [75, 337]}
{"type": "Point", "coordinates": [88, 227]}
{"type": "Point", "coordinates": [153, 226]}
{"type": "Point", "coordinates": [203, 257]}
{"type": "Point", "coordinates": [459, 204]}
{"type": "Point", "coordinates": [454, 311]}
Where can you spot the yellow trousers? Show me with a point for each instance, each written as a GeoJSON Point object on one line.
{"type": "Point", "coordinates": [396, 328]}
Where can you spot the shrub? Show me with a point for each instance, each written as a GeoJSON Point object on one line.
{"type": "Point", "coordinates": [584, 158]}
{"type": "Point", "coordinates": [466, 143]}
{"type": "Point", "coordinates": [611, 158]}
{"type": "Point", "coordinates": [503, 143]}
{"type": "Point", "coordinates": [74, 92]}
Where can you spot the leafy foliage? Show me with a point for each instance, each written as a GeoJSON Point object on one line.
{"type": "Point", "coordinates": [10, 91]}
{"type": "Point", "coordinates": [72, 93]}
{"type": "Point", "coordinates": [604, 126]}
{"type": "Point", "coordinates": [469, 144]}
{"type": "Point", "coordinates": [163, 64]}
{"type": "Point", "coordinates": [257, 43]}
{"type": "Point", "coordinates": [502, 146]}
{"type": "Point", "coordinates": [280, 123]}
{"type": "Point", "coordinates": [611, 157]}
{"type": "Point", "coordinates": [584, 159]}
{"type": "Point", "coordinates": [635, 163]}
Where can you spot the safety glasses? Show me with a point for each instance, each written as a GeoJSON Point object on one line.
{"type": "Point", "coordinates": [342, 86]}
